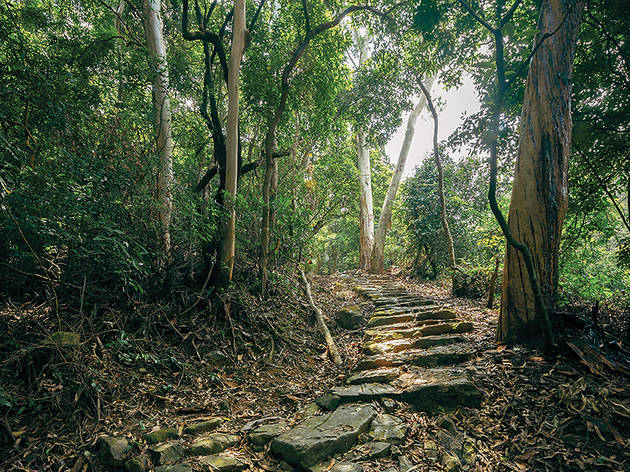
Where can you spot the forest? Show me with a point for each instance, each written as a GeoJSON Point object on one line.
{"type": "Point", "coordinates": [314, 235]}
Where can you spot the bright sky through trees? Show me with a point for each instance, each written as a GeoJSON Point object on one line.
{"type": "Point", "coordinates": [452, 104]}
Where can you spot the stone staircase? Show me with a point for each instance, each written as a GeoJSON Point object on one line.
{"type": "Point", "coordinates": [413, 351]}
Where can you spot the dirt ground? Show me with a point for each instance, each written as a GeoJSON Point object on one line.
{"type": "Point", "coordinates": [135, 370]}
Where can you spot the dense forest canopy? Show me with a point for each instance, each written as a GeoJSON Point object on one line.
{"type": "Point", "coordinates": [194, 156]}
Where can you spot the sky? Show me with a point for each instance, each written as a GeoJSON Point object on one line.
{"type": "Point", "coordinates": [454, 103]}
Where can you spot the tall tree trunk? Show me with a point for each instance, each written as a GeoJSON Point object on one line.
{"type": "Point", "coordinates": [385, 218]}
{"type": "Point", "coordinates": [366, 208]}
{"type": "Point", "coordinates": [438, 164]}
{"type": "Point", "coordinates": [539, 195]}
{"type": "Point", "coordinates": [162, 110]}
{"type": "Point", "coordinates": [226, 256]}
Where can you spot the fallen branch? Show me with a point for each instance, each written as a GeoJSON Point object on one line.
{"type": "Point", "coordinates": [321, 324]}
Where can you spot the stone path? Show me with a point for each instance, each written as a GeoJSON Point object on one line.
{"type": "Point", "coordinates": [413, 350]}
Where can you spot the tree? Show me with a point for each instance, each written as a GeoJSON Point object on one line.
{"type": "Point", "coordinates": [225, 264]}
{"type": "Point", "coordinates": [162, 120]}
{"type": "Point", "coordinates": [539, 195]}
{"type": "Point", "coordinates": [440, 171]}
{"type": "Point", "coordinates": [385, 218]}
{"type": "Point", "coordinates": [366, 208]}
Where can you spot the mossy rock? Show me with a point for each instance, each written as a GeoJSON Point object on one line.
{"type": "Point", "coordinates": [161, 435]}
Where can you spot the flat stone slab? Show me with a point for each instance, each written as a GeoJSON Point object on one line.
{"type": "Point", "coordinates": [339, 466]}
{"type": "Point", "coordinates": [442, 314]}
{"type": "Point", "coordinates": [388, 428]}
{"type": "Point", "coordinates": [397, 310]}
{"type": "Point", "coordinates": [167, 453]}
{"type": "Point", "coordinates": [212, 444]}
{"type": "Point", "coordinates": [203, 426]}
{"type": "Point", "coordinates": [421, 328]}
{"type": "Point", "coordinates": [263, 434]}
{"type": "Point", "coordinates": [184, 467]}
{"type": "Point", "coordinates": [399, 345]}
{"type": "Point", "coordinates": [319, 437]}
{"type": "Point", "coordinates": [219, 463]}
{"type": "Point", "coordinates": [364, 392]}
{"type": "Point", "coordinates": [373, 376]}
{"type": "Point", "coordinates": [431, 357]}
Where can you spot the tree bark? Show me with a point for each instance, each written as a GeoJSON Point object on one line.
{"type": "Point", "coordinates": [438, 164]}
{"type": "Point", "coordinates": [162, 110]}
{"type": "Point", "coordinates": [226, 256]}
{"type": "Point", "coordinates": [366, 209]}
{"type": "Point", "coordinates": [539, 195]}
{"type": "Point", "coordinates": [385, 218]}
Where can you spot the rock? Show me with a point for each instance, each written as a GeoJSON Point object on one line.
{"type": "Point", "coordinates": [447, 328]}
{"type": "Point", "coordinates": [318, 437]}
{"type": "Point", "coordinates": [174, 468]}
{"type": "Point", "coordinates": [405, 464]}
{"type": "Point", "coordinates": [113, 450]}
{"type": "Point", "coordinates": [137, 464]}
{"type": "Point", "coordinates": [349, 317]}
{"type": "Point", "coordinates": [328, 402]}
{"type": "Point", "coordinates": [161, 435]}
{"type": "Point", "coordinates": [212, 444]}
{"type": "Point", "coordinates": [388, 428]}
{"type": "Point", "coordinates": [262, 435]}
{"type": "Point", "coordinates": [443, 314]}
{"type": "Point", "coordinates": [430, 450]}
{"type": "Point", "coordinates": [432, 357]}
{"type": "Point", "coordinates": [451, 463]}
{"type": "Point", "coordinates": [64, 338]}
{"type": "Point", "coordinates": [310, 409]}
{"type": "Point", "coordinates": [389, 405]}
{"type": "Point", "coordinates": [437, 393]}
{"type": "Point", "coordinates": [217, 463]}
{"type": "Point", "coordinates": [340, 466]}
{"type": "Point", "coordinates": [203, 426]}
{"type": "Point", "coordinates": [398, 345]}
{"type": "Point", "coordinates": [167, 454]}
{"type": "Point", "coordinates": [373, 376]}
{"type": "Point", "coordinates": [363, 392]}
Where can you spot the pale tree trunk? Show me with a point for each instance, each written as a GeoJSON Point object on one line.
{"type": "Point", "coordinates": [438, 164]}
{"type": "Point", "coordinates": [226, 256]}
{"type": "Point", "coordinates": [162, 110]}
{"type": "Point", "coordinates": [385, 218]}
{"type": "Point", "coordinates": [366, 208]}
{"type": "Point", "coordinates": [118, 23]}
{"type": "Point", "coordinates": [539, 195]}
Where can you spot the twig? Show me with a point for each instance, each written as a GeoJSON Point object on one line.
{"type": "Point", "coordinates": [321, 324]}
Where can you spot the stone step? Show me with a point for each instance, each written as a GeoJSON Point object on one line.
{"type": "Point", "coordinates": [431, 357]}
{"type": "Point", "coordinates": [400, 345]}
{"type": "Point", "coordinates": [424, 389]}
{"type": "Point", "coordinates": [417, 329]}
{"type": "Point", "coordinates": [443, 314]}
{"type": "Point", "coordinates": [402, 301]}
{"type": "Point", "coordinates": [374, 376]}
{"type": "Point", "coordinates": [406, 310]}
{"type": "Point", "coordinates": [319, 437]}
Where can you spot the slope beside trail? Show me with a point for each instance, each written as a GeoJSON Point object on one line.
{"type": "Point", "coordinates": [414, 355]}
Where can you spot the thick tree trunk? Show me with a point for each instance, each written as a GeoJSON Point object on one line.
{"type": "Point", "coordinates": [226, 256]}
{"type": "Point", "coordinates": [366, 210]}
{"type": "Point", "coordinates": [438, 164]}
{"type": "Point", "coordinates": [162, 110]}
{"type": "Point", "coordinates": [539, 194]}
{"type": "Point", "coordinates": [385, 218]}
